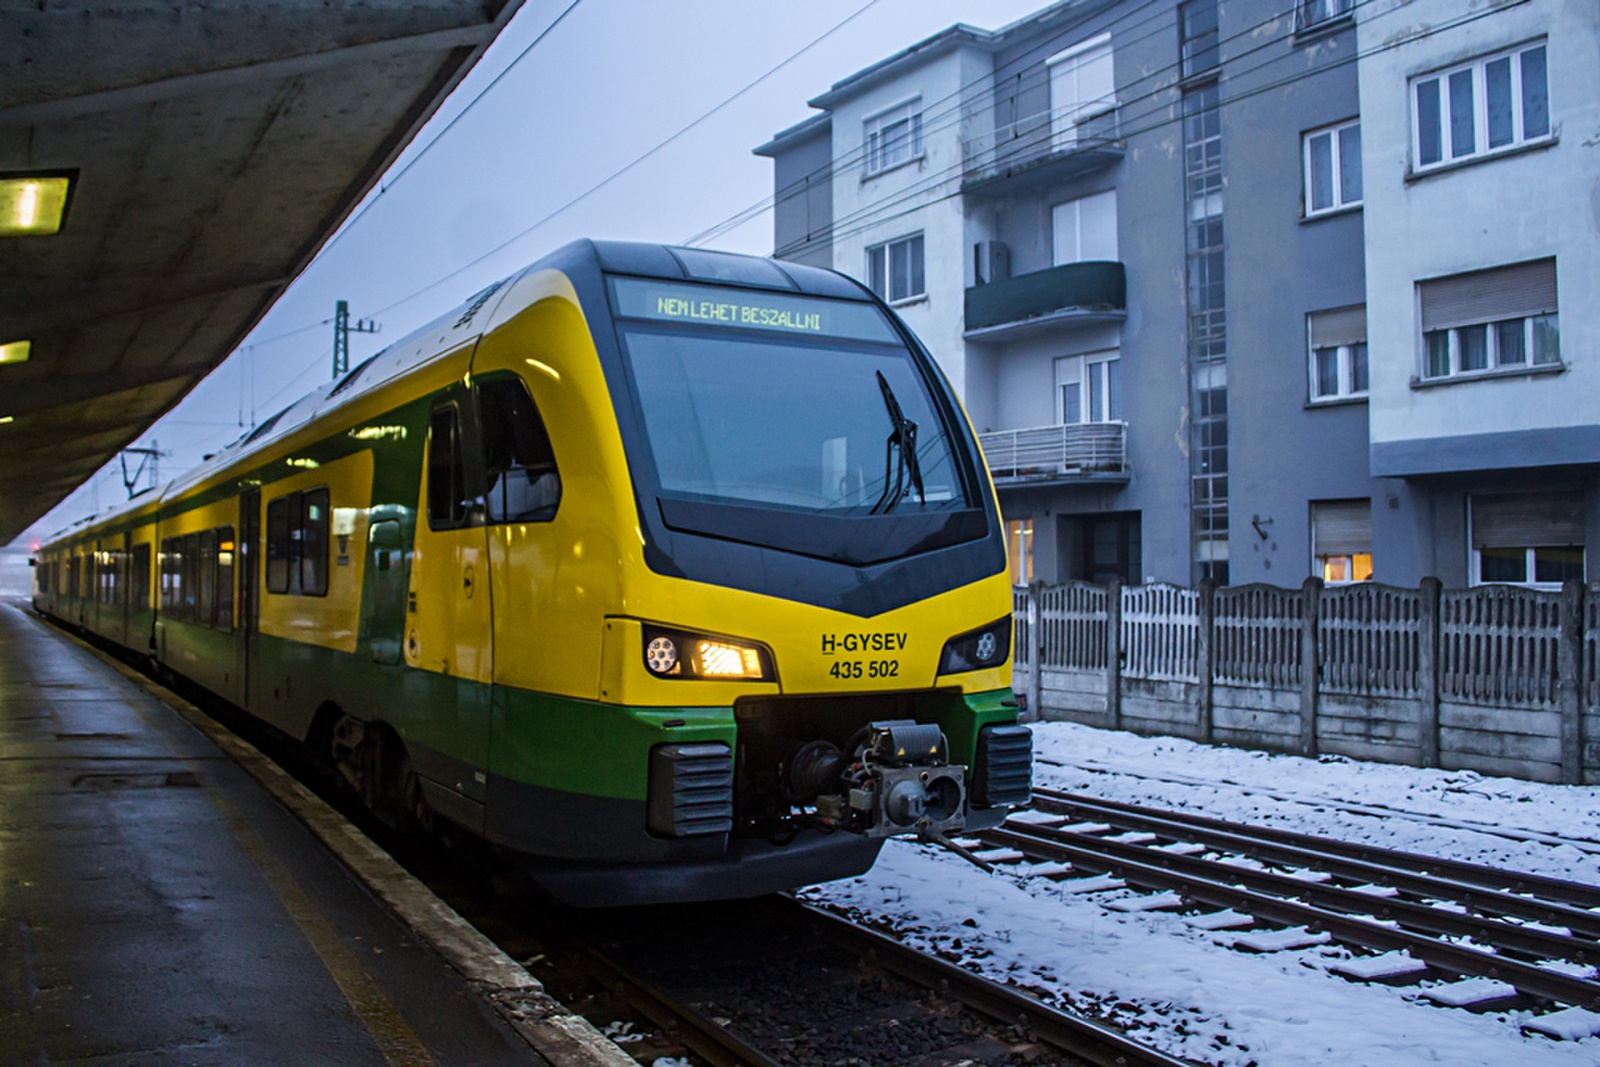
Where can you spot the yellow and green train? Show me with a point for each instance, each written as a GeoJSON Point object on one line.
{"type": "Point", "coordinates": [674, 574]}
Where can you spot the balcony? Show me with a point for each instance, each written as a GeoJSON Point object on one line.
{"type": "Point", "coordinates": [1085, 451]}
{"type": "Point", "coordinates": [1038, 150]}
{"type": "Point", "coordinates": [1094, 291]}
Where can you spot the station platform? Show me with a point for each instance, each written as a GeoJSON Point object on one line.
{"type": "Point", "coordinates": [159, 906]}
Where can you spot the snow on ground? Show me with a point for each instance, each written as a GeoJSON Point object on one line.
{"type": "Point", "coordinates": [1181, 988]}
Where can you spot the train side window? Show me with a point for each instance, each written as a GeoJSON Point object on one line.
{"type": "Point", "coordinates": [278, 545]}
{"type": "Point", "coordinates": [139, 578]}
{"type": "Point", "coordinates": [188, 578]}
{"type": "Point", "coordinates": [206, 568]}
{"type": "Point", "coordinates": [169, 584]}
{"type": "Point", "coordinates": [519, 463]}
{"type": "Point", "coordinates": [447, 477]}
{"type": "Point", "coordinates": [314, 543]}
{"type": "Point", "coordinates": [225, 549]}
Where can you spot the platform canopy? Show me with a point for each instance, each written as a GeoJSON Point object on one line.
{"type": "Point", "coordinates": [166, 170]}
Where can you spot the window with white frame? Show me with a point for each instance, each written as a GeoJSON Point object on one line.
{"type": "Point", "coordinates": [894, 136]}
{"type": "Point", "coordinates": [1490, 320]}
{"type": "Point", "coordinates": [1338, 346]}
{"type": "Point", "coordinates": [1088, 387]}
{"type": "Point", "coordinates": [1332, 161]}
{"type": "Point", "coordinates": [1341, 540]}
{"type": "Point", "coordinates": [1082, 91]}
{"type": "Point", "coordinates": [1086, 228]}
{"type": "Point", "coordinates": [1534, 539]}
{"type": "Point", "coordinates": [1311, 13]}
{"type": "Point", "coordinates": [894, 269]}
{"type": "Point", "coordinates": [1482, 107]}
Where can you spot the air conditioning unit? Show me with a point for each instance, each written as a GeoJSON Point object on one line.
{"type": "Point", "coordinates": [991, 262]}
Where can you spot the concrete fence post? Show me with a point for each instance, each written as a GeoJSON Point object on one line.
{"type": "Point", "coordinates": [1569, 654]}
{"type": "Point", "coordinates": [1310, 664]}
{"type": "Point", "coordinates": [1035, 654]}
{"type": "Point", "coordinates": [1114, 654]}
{"type": "Point", "coordinates": [1428, 667]}
{"type": "Point", "coordinates": [1205, 654]}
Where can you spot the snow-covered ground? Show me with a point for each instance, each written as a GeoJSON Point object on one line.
{"type": "Point", "coordinates": [1182, 988]}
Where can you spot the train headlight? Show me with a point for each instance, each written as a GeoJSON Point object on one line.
{"type": "Point", "coordinates": [973, 651]}
{"type": "Point", "coordinates": [678, 654]}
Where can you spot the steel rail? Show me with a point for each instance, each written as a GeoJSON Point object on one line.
{"type": "Point", "coordinates": [1164, 870]}
{"type": "Point", "coordinates": [1250, 841]}
{"type": "Point", "coordinates": [1074, 1034]}
{"type": "Point", "coordinates": [1552, 889]}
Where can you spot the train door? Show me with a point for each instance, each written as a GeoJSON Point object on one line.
{"type": "Point", "coordinates": [386, 570]}
{"type": "Point", "coordinates": [247, 603]}
{"type": "Point", "coordinates": [448, 613]}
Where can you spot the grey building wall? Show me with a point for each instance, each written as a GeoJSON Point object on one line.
{"type": "Point", "coordinates": [803, 202]}
{"type": "Point", "coordinates": [1285, 452]}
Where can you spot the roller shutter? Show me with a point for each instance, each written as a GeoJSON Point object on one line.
{"type": "Point", "coordinates": [1341, 527]}
{"type": "Point", "coordinates": [1514, 292]}
{"type": "Point", "coordinates": [1338, 326]}
{"type": "Point", "coordinates": [1527, 520]}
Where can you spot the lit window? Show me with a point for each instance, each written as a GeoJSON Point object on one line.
{"type": "Point", "coordinates": [1338, 344]}
{"type": "Point", "coordinates": [1481, 107]}
{"type": "Point", "coordinates": [1502, 319]}
{"type": "Point", "coordinates": [1332, 162]}
{"type": "Point", "coordinates": [894, 269]}
{"type": "Point", "coordinates": [1019, 537]}
{"type": "Point", "coordinates": [1341, 540]}
{"type": "Point", "coordinates": [894, 137]}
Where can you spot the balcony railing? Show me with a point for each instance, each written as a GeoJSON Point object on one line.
{"type": "Point", "coordinates": [1057, 453]}
{"type": "Point", "coordinates": [1044, 145]}
{"type": "Point", "coordinates": [1094, 287]}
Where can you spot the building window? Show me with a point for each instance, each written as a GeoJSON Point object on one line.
{"type": "Point", "coordinates": [1534, 539]}
{"type": "Point", "coordinates": [1197, 36]}
{"type": "Point", "coordinates": [1310, 13]}
{"type": "Point", "coordinates": [1109, 546]}
{"type": "Point", "coordinates": [894, 269]}
{"type": "Point", "coordinates": [1481, 107]}
{"type": "Point", "coordinates": [1332, 161]}
{"type": "Point", "coordinates": [1338, 345]}
{"type": "Point", "coordinates": [894, 136]}
{"type": "Point", "coordinates": [1341, 540]}
{"type": "Point", "coordinates": [1083, 95]}
{"type": "Point", "coordinates": [1490, 320]}
{"type": "Point", "coordinates": [1086, 228]}
{"type": "Point", "coordinates": [1019, 539]}
{"type": "Point", "coordinates": [1088, 387]}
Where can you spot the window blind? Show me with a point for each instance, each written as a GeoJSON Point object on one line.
{"type": "Point", "coordinates": [1513, 292]}
{"type": "Point", "coordinates": [1527, 520]}
{"type": "Point", "coordinates": [1338, 326]}
{"type": "Point", "coordinates": [1341, 527]}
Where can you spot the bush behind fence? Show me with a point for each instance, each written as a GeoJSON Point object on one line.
{"type": "Point", "coordinates": [1500, 679]}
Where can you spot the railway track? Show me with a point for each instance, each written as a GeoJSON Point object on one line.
{"type": "Point", "coordinates": [1501, 937]}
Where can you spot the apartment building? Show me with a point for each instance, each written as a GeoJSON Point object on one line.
{"type": "Point", "coordinates": [1189, 265]}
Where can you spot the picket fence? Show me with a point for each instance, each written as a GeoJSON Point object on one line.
{"type": "Point", "coordinates": [1497, 679]}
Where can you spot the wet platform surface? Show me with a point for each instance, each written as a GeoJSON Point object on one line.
{"type": "Point", "coordinates": [157, 906]}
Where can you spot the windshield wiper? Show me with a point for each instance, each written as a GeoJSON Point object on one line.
{"type": "Point", "coordinates": [900, 453]}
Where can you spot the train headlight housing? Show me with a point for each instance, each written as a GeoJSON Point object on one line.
{"type": "Point", "coordinates": [978, 649]}
{"type": "Point", "coordinates": [680, 654]}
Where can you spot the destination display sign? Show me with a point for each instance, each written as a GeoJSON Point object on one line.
{"type": "Point", "coordinates": [715, 305]}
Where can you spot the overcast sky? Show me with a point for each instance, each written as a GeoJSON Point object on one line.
{"type": "Point", "coordinates": [610, 82]}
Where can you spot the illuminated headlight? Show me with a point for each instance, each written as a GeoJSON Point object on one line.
{"type": "Point", "coordinates": [978, 649]}
{"type": "Point", "coordinates": [677, 654]}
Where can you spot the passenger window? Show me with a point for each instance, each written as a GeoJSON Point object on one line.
{"type": "Point", "coordinates": [314, 543]}
{"type": "Point", "coordinates": [225, 578]}
{"type": "Point", "coordinates": [278, 545]}
{"type": "Point", "coordinates": [139, 578]}
{"type": "Point", "coordinates": [447, 478]}
{"type": "Point", "coordinates": [519, 464]}
{"type": "Point", "coordinates": [206, 594]}
{"type": "Point", "coordinates": [188, 578]}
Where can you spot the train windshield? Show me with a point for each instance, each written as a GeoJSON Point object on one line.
{"type": "Point", "coordinates": [793, 403]}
